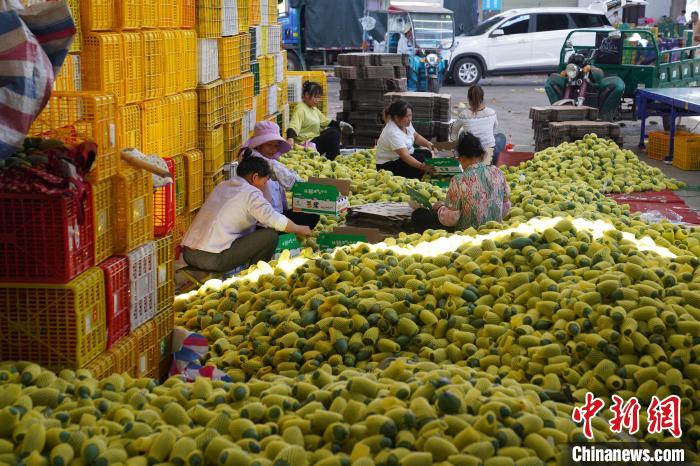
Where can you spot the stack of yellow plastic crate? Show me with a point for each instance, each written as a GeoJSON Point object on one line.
{"type": "Point", "coordinates": [223, 80]}
{"type": "Point", "coordinates": [130, 81]}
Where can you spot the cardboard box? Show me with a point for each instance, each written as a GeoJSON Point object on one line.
{"type": "Point", "coordinates": [446, 166]}
{"type": "Point", "coordinates": [343, 236]}
{"type": "Point", "coordinates": [321, 196]}
{"type": "Point", "coordinates": [288, 242]}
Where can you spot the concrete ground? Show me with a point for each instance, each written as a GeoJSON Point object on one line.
{"type": "Point", "coordinates": [512, 98]}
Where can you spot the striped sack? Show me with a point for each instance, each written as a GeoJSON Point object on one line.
{"type": "Point", "coordinates": [33, 45]}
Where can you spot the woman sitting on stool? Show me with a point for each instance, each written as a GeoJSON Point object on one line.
{"type": "Point", "coordinates": [223, 235]}
{"type": "Point", "coordinates": [309, 124]}
{"type": "Point", "coordinates": [476, 196]}
{"type": "Point", "coordinates": [395, 151]}
{"type": "Point", "coordinates": [268, 145]}
{"type": "Point", "coordinates": [481, 121]}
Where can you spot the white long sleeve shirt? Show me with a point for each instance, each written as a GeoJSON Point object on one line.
{"type": "Point", "coordinates": [231, 211]}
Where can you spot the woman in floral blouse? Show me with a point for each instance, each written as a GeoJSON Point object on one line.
{"type": "Point", "coordinates": [478, 195]}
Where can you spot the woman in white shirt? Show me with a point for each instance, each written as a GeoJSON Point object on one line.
{"type": "Point", "coordinates": [269, 145]}
{"type": "Point", "coordinates": [395, 151]}
{"type": "Point", "coordinates": [223, 235]}
{"type": "Point", "coordinates": [481, 121]}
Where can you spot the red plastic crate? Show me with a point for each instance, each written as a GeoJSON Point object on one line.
{"type": "Point", "coordinates": [116, 270]}
{"type": "Point", "coordinates": [41, 240]}
{"type": "Point", "coordinates": [164, 205]}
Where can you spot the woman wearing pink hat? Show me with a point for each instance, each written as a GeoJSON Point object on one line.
{"type": "Point", "coordinates": [268, 145]}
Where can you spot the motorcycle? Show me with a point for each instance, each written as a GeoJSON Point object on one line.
{"type": "Point", "coordinates": [578, 75]}
{"type": "Point", "coordinates": [429, 69]}
{"type": "Point", "coordinates": [582, 83]}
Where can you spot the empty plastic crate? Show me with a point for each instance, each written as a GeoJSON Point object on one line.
{"type": "Point", "coordinates": [248, 90]}
{"type": "Point", "coordinates": [229, 57]}
{"type": "Point", "coordinates": [194, 168]}
{"type": "Point", "coordinates": [130, 127]}
{"type": "Point", "coordinates": [233, 140]}
{"type": "Point", "coordinates": [188, 64]}
{"type": "Point", "coordinates": [211, 144]}
{"type": "Point", "coordinates": [133, 222]}
{"type": "Point", "coordinates": [125, 355]}
{"type": "Point", "coordinates": [165, 286]}
{"type": "Point", "coordinates": [216, 18]}
{"type": "Point", "coordinates": [232, 99]}
{"type": "Point", "coordinates": [180, 184]}
{"type": "Point", "coordinates": [172, 136]}
{"type": "Point", "coordinates": [77, 116]}
{"type": "Point", "coordinates": [244, 46]}
{"type": "Point", "coordinates": [248, 123]}
{"type": "Point", "coordinates": [165, 323]}
{"type": "Point", "coordinates": [271, 100]}
{"type": "Point", "coordinates": [243, 7]}
{"type": "Point", "coordinates": [68, 79]}
{"type": "Point", "coordinates": [164, 205]}
{"type": "Point", "coordinates": [254, 15]}
{"type": "Point", "coordinates": [152, 126]}
{"type": "Point", "coordinates": [118, 304]}
{"type": "Point", "coordinates": [660, 141]}
{"type": "Point", "coordinates": [153, 64]}
{"type": "Point", "coordinates": [132, 44]}
{"type": "Point", "coordinates": [142, 283]}
{"type": "Point", "coordinates": [41, 239]}
{"type": "Point", "coordinates": [229, 18]}
{"type": "Point", "coordinates": [207, 61]}
{"type": "Point", "coordinates": [169, 13]}
{"type": "Point", "coordinates": [261, 104]}
{"type": "Point", "coordinates": [187, 20]}
{"type": "Point", "coordinates": [211, 181]}
{"type": "Point", "coordinates": [190, 120]}
{"type": "Point", "coordinates": [282, 94]}
{"type": "Point", "coordinates": [149, 10]}
{"type": "Point", "coordinates": [129, 14]}
{"type": "Point", "coordinates": [102, 62]}
{"type": "Point", "coordinates": [147, 350]}
{"type": "Point", "coordinates": [103, 202]}
{"type": "Point", "coordinates": [97, 15]}
{"type": "Point", "coordinates": [173, 48]}
{"type": "Point", "coordinates": [686, 153]}
{"type": "Point", "coordinates": [274, 39]}
{"type": "Point", "coordinates": [102, 366]}
{"type": "Point", "coordinates": [211, 105]}
{"type": "Point", "coordinates": [57, 326]}
{"type": "Point", "coordinates": [255, 70]}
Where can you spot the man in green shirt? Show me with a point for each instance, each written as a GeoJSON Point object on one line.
{"type": "Point", "coordinates": [309, 124]}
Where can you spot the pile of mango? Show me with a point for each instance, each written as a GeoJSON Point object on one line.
{"type": "Point", "coordinates": [449, 349]}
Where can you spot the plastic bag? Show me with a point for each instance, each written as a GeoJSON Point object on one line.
{"type": "Point", "coordinates": [33, 45]}
{"type": "Point", "coordinates": [654, 216]}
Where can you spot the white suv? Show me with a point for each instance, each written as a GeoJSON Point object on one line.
{"type": "Point", "coordinates": [518, 41]}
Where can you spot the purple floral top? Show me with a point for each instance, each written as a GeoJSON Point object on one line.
{"type": "Point", "coordinates": [477, 196]}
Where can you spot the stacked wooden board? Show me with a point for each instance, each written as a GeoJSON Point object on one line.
{"type": "Point", "coordinates": [364, 79]}
{"type": "Point", "coordinates": [542, 116]}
